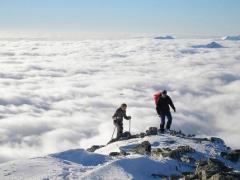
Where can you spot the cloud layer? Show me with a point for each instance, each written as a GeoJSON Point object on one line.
{"type": "Point", "coordinates": [58, 95]}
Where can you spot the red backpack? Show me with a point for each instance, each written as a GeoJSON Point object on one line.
{"type": "Point", "coordinates": [156, 97]}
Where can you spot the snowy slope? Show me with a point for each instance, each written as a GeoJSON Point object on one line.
{"type": "Point", "coordinates": [80, 164]}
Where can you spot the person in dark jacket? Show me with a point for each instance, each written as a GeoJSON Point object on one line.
{"type": "Point", "coordinates": [118, 119]}
{"type": "Point", "coordinates": [163, 110]}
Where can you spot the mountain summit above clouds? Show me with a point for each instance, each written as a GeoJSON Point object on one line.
{"type": "Point", "coordinates": [232, 38]}
{"type": "Point", "coordinates": [209, 45]}
{"type": "Point", "coordinates": [164, 37]}
{"type": "Point", "coordinates": [150, 155]}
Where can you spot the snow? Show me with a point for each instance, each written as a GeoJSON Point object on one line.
{"type": "Point", "coordinates": [61, 95]}
{"type": "Point", "coordinates": [134, 168]}
{"type": "Point", "coordinates": [232, 38]}
{"type": "Point", "coordinates": [79, 164]}
{"type": "Point", "coordinates": [165, 141]}
{"type": "Point", "coordinates": [80, 156]}
{"type": "Point", "coordinates": [41, 168]}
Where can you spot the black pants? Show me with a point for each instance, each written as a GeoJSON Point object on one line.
{"type": "Point", "coordinates": [169, 122]}
{"type": "Point", "coordinates": [119, 126]}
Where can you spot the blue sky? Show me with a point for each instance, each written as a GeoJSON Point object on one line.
{"type": "Point", "coordinates": [211, 17]}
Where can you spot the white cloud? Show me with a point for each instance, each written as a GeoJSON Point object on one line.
{"type": "Point", "coordinates": [58, 95]}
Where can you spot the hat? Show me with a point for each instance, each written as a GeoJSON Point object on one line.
{"type": "Point", "coordinates": [164, 92]}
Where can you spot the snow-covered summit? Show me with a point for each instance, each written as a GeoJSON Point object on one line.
{"type": "Point", "coordinates": [146, 157]}
{"type": "Point", "coordinates": [209, 45]}
{"type": "Point", "coordinates": [164, 37]}
{"type": "Point", "coordinates": [232, 38]}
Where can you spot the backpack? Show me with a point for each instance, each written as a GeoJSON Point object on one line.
{"type": "Point", "coordinates": [156, 97]}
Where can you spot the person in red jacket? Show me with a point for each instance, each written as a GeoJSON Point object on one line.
{"type": "Point", "coordinates": [118, 119]}
{"type": "Point", "coordinates": [163, 110]}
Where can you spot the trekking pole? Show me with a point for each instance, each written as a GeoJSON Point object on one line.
{"type": "Point", "coordinates": [129, 125]}
{"type": "Point", "coordinates": [113, 132]}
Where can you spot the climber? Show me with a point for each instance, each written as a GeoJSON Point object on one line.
{"type": "Point", "coordinates": [163, 110]}
{"type": "Point", "coordinates": [118, 119]}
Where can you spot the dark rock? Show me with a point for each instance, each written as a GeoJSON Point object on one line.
{"type": "Point", "coordinates": [200, 140]}
{"type": "Point", "coordinates": [167, 149]}
{"type": "Point", "coordinates": [177, 133]}
{"type": "Point", "coordinates": [217, 176]}
{"type": "Point", "coordinates": [191, 177]}
{"type": "Point", "coordinates": [233, 156]}
{"type": "Point", "coordinates": [219, 165]}
{"type": "Point", "coordinates": [173, 133]}
{"type": "Point", "coordinates": [152, 131]}
{"type": "Point", "coordinates": [213, 166]}
{"type": "Point", "coordinates": [124, 153]}
{"type": "Point", "coordinates": [142, 135]}
{"type": "Point", "coordinates": [180, 151]}
{"type": "Point", "coordinates": [201, 162]}
{"type": "Point", "coordinates": [126, 135]}
{"type": "Point", "coordinates": [216, 140]}
{"type": "Point", "coordinates": [223, 154]}
{"type": "Point", "coordinates": [157, 152]}
{"type": "Point", "coordinates": [187, 173]}
{"type": "Point", "coordinates": [143, 148]}
{"type": "Point", "coordinates": [114, 154]}
{"type": "Point", "coordinates": [226, 176]}
{"type": "Point", "coordinates": [187, 159]}
{"type": "Point", "coordinates": [121, 153]}
{"type": "Point", "coordinates": [233, 174]}
{"type": "Point", "coordinates": [133, 136]}
{"type": "Point", "coordinates": [94, 148]}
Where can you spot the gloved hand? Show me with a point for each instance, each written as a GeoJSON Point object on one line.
{"type": "Point", "coordinates": [115, 122]}
{"type": "Point", "coordinates": [129, 117]}
{"type": "Point", "coordinates": [174, 109]}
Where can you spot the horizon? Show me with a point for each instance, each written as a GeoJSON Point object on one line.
{"type": "Point", "coordinates": [77, 35]}
{"type": "Point", "coordinates": [177, 18]}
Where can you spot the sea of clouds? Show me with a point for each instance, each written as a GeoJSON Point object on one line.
{"type": "Point", "coordinates": [58, 95]}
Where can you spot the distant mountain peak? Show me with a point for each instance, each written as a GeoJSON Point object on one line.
{"type": "Point", "coordinates": [232, 38]}
{"type": "Point", "coordinates": [164, 37]}
{"type": "Point", "coordinates": [209, 45]}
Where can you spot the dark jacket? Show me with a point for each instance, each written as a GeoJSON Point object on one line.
{"type": "Point", "coordinates": [163, 104]}
{"type": "Point", "coordinates": [119, 115]}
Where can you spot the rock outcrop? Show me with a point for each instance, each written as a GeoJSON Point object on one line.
{"type": "Point", "coordinates": [143, 148]}
{"type": "Point", "coordinates": [233, 156]}
{"type": "Point", "coordinates": [212, 169]}
{"type": "Point", "coordinates": [152, 131]}
{"type": "Point", "coordinates": [94, 148]}
{"type": "Point", "coordinates": [201, 167]}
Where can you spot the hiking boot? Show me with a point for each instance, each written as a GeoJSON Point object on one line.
{"type": "Point", "coordinates": [167, 131]}
{"type": "Point", "coordinates": [160, 131]}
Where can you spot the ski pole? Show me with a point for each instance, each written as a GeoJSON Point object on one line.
{"type": "Point", "coordinates": [113, 132]}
